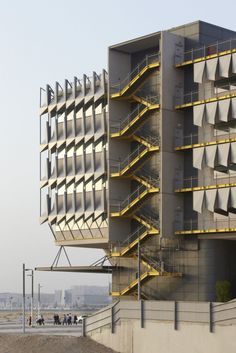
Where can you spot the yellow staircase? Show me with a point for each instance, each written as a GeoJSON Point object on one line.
{"type": "Point", "coordinates": [134, 79]}
{"type": "Point", "coordinates": [134, 201]}
{"type": "Point", "coordinates": [147, 275]}
{"type": "Point", "coordinates": [134, 284]}
{"type": "Point", "coordinates": [130, 167]}
{"type": "Point", "coordinates": [134, 160]}
{"type": "Point", "coordinates": [131, 243]}
{"type": "Point", "coordinates": [133, 121]}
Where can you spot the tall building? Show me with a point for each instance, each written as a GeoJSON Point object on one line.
{"type": "Point", "coordinates": [141, 162]}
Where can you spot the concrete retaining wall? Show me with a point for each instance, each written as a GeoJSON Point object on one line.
{"type": "Point", "coordinates": [165, 327]}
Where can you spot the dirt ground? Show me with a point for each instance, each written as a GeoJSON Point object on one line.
{"type": "Point", "coordinates": [23, 343]}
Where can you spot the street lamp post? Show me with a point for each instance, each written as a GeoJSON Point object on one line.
{"type": "Point", "coordinates": [32, 295]}
{"type": "Point", "coordinates": [139, 271]}
{"type": "Point", "coordinates": [10, 302]}
{"type": "Point", "coordinates": [23, 300]}
{"type": "Point", "coordinates": [39, 286]}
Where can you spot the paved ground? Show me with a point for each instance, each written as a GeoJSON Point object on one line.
{"type": "Point", "coordinates": [31, 343]}
{"type": "Point", "coordinates": [47, 329]}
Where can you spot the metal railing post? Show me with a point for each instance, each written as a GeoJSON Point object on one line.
{"type": "Point", "coordinates": [210, 318]}
{"type": "Point", "coordinates": [112, 320]}
{"type": "Point", "coordinates": [83, 327]}
{"type": "Point", "coordinates": [176, 315]}
{"type": "Point", "coordinates": [142, 313]}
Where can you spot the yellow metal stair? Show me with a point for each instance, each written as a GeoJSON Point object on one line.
{"type": "Point", "coordinates": [134, 79]}
{"type": "Point", "coordinates": [136, 202]}
{"type": "Point", "coordinates": [126, 250]}
{"type": "Point", "coordinates": [144, 277]}
{"type": "Point", "coordinates": [145, 222]}
{"type": "Point", "coordinates": [136, 161]}
{"type": "Point", "coordinates": [131, 124]}
{"type": "Point", "coordinates": [134, 284]}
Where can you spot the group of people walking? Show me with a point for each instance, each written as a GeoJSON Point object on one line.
{"type": "Point", "coordinates": [67, 319]}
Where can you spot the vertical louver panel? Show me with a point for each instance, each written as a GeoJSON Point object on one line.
{"type": "Point", "coordinates": [198, 197]}
{"type": "Point", "coordinates": [198, 114]}
{"type": "Point", "coordinates": [223, 154]}
{"type": "Point", "coordinates": [233, 153]}
{"type": "Point", "coordinates": [198, 154]}
{"type": "Point", "coordinates": [233, 67]}
{"type": "Point", "coordinates": [223, 199]}
{"type": "Point", "coordinates": [211, 199]}
{"type": "Point", "coordinates": [233, 108]}
{"type": "Point", "coordinates": [199, 71]}
{"type": "Point", "coordinates": [224, 65]}
{"type": "Point", "coordinates": [210, 153]}
{"type": "Point", "coordinates": [211, 69]}
{"type": "Point", "coordinates": [211, 109]}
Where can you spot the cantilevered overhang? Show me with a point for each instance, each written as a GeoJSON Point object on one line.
{"type": "Point", "coordinates": [137, 44]}
{"type": "Point", "coordinates": [97, 243]}
{"type": "Point", "coordinates": [83, 269]}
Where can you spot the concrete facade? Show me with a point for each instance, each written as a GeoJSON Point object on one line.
{"type": "Point", "coordinates": [141, 162]}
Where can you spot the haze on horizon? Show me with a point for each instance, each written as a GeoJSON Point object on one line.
{"type": "Point", "coordinates": [41, 42]}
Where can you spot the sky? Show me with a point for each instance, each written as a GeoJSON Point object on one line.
{"type": "Point", "coordinates": [41, 42]}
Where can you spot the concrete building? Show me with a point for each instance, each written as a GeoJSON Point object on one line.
{"type": "Point", "coordinates": [141, 162]}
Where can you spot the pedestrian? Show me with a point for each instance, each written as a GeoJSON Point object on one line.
{"type": "Point", "coordinates": [75, 319]}
{"type": "Point", "coordinates": [30, 320]}
{"type": "Point", "coordinates": [69, 319]}
{"type": "Point", "coordinates": [64, 320]}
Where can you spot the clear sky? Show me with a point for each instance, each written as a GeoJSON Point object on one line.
{"type": "Point", "coordinates": [42, 41]}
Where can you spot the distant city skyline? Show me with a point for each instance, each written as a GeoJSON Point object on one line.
{"type": "Point", "coordinates": [75, 296]}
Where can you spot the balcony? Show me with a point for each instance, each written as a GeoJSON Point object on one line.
{"type": "Point", "coordinates": [221, 91]}
{"type": "Point", "coordinates": [185, 142]}
{"type": "Point", "coordinates": [206, 226]}
{"type": "Point", "coordinates": [192, 183]}
{"type": "Point", "coordinates": [207, 52]}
